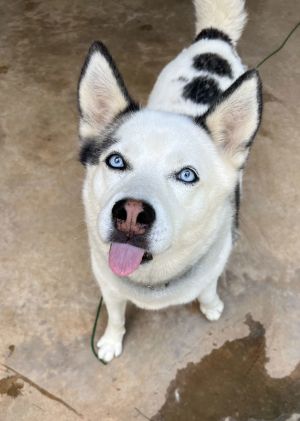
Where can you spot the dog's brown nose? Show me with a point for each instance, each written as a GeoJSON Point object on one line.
{"type": "Point", "coordinates": [133, 217]}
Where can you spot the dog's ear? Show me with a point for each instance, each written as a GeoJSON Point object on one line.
{"type": "Point", "coordinates": [102, 94]}
{"type": "Point", "coordinates": [233, 121]}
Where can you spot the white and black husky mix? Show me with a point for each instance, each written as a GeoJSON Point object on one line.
{"type": "Point", "coordinates": [162, 183]}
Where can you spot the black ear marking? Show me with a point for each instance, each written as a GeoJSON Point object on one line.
{"type": "Point", "coordinates": [103, 102]}
{"type": "Point", "coordinates": [214, 34]}
{"type": "Point", "coordinates": [98, 46]}
{"type": "Point", "coordinates": [213, 63]}
{"type": "Point", "coordinates": [202, 90]}
{"type": "Point", "coordinates": [201, 120]}
{"type": "Point", "coordinates": [247, 75]}
{"type": "Point", "coordinates": [131, 108]}
{"type": "Point", "coordinates": [234, 118]}
{"type": "Point", "coordinates": [237, 202]}
{"type": "Point", "coordinates": [201, 123]}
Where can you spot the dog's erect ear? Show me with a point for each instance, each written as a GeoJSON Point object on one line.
{"type": "Point", "coordinates": [102, 94]}
{"type": "Point", "coordinates": [233, 121]}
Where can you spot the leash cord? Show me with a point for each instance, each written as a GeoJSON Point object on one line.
{"type": "Point", "coordinates": [280, 47]}
{"type": "Point", "coordinates": [101, 299]}
{"type": "Point", "coordinates": [94, 330]}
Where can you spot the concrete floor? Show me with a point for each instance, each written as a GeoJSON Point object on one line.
{"type": "Point", "coordinates": [48, 295]}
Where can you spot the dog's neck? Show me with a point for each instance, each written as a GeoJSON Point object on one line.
{"type": "Point", "coordinates": [216, 247]}
{"type": "Point", "coordinates": [185, 285]}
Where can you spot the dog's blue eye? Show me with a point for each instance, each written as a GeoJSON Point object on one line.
{"type": "Point", "coordinates": [187, 175]}
{"type": "Point", "coordinates": [115, 161]}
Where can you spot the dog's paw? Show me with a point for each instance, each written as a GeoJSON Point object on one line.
{"type": "Point", "coordinates": [213, 310]}
{"type": "Point", "coordinates": [109, 348]}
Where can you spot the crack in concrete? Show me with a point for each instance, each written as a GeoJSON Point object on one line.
{"type": "Point", "coordinates": [42, 390]}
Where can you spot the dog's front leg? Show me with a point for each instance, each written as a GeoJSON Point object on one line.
{"type": "Point", "coordinates": [210, 303]}
{"type": "Point", "coordinates": [110, 344]}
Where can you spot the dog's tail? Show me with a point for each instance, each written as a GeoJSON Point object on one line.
{"type": "Point", "coordinates": [228, 16]}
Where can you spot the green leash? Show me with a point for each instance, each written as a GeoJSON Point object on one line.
{"type": "Point", "coordinates": [101, 299]}
{"type": "Point", "coordinates": [280, 47]}
{"type": "Point", "coordinates": [94, 331]}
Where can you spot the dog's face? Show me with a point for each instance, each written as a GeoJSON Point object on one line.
{"type": "Point", "coordinates": [158, 183]}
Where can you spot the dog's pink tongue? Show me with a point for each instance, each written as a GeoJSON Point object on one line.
{"type": "Point", "coordinates": [124, 258]}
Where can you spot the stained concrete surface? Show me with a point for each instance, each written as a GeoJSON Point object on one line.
{"type": "Point", "coordinates": [234, 379]}
{"type": "Point", "coordinates": [48, 295]}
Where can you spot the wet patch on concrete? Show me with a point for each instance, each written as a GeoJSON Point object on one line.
{"type": "Point", "coordinates": [284, 417]}
{"type": "Point", "coordinates": [4, 69]}
{"type": "Point", "coordinates": [232, 382]}
{"type": "Point", "coordinates": [29, 6]}
{"type": "Point", "coordinates": [146, 27]}
{"type": "Point", "coordinates": [11, 386]}
{"type": "Point", "coordinates": [11, 350]}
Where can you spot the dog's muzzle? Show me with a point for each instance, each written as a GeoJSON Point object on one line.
{"type": "Point", "coordinates": [132, 220]}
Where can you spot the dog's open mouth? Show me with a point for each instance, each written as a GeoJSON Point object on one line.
{"type": "Point", "coordinates": [124, 258]}
{"type": "Point", "coordinates": [147, 257]}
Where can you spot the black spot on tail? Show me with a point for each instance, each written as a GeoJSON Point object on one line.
{"type": "Point", "coordinates": [212, 33]}
{"type": "Point", "coordinates": [202, 90]}
{"type": "Point", "coordinates": [212, 63]}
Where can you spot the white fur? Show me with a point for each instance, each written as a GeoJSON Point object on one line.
{"type": "Point", "coordinates": [228, 16]}
{"type": "Point", "coordinates": [191, 238]}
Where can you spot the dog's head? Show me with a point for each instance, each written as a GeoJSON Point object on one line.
{"type": "Point", "coordinates": [159, 184]}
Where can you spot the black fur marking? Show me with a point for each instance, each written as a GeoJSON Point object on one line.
{"type": "Point", "coordinates": [202, 124]}
{"type": "Point", "coordinates": [99, 47]}
{"type": "Point", "coordinates": [182, 79]}
{"type": "Point", "coordinates": [237, 200]}
{"type": "Point", "coordinates": [212, 33]}
{"type": "Point", "coordinates": [212, 63]}
{"type": "Point", "coordinates": [247, 75]}
{"type": "Point", "coordinates": [202, 90]}
{"type": "Point", "coordinates": [89, 152]}
{"type": "Point", "coordinates": [131, 108]}
{"type": "Point", "coordinates": [92, 149]}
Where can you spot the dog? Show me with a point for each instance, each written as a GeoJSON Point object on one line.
{"type": "Point", "coordinates": [162, 185]}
